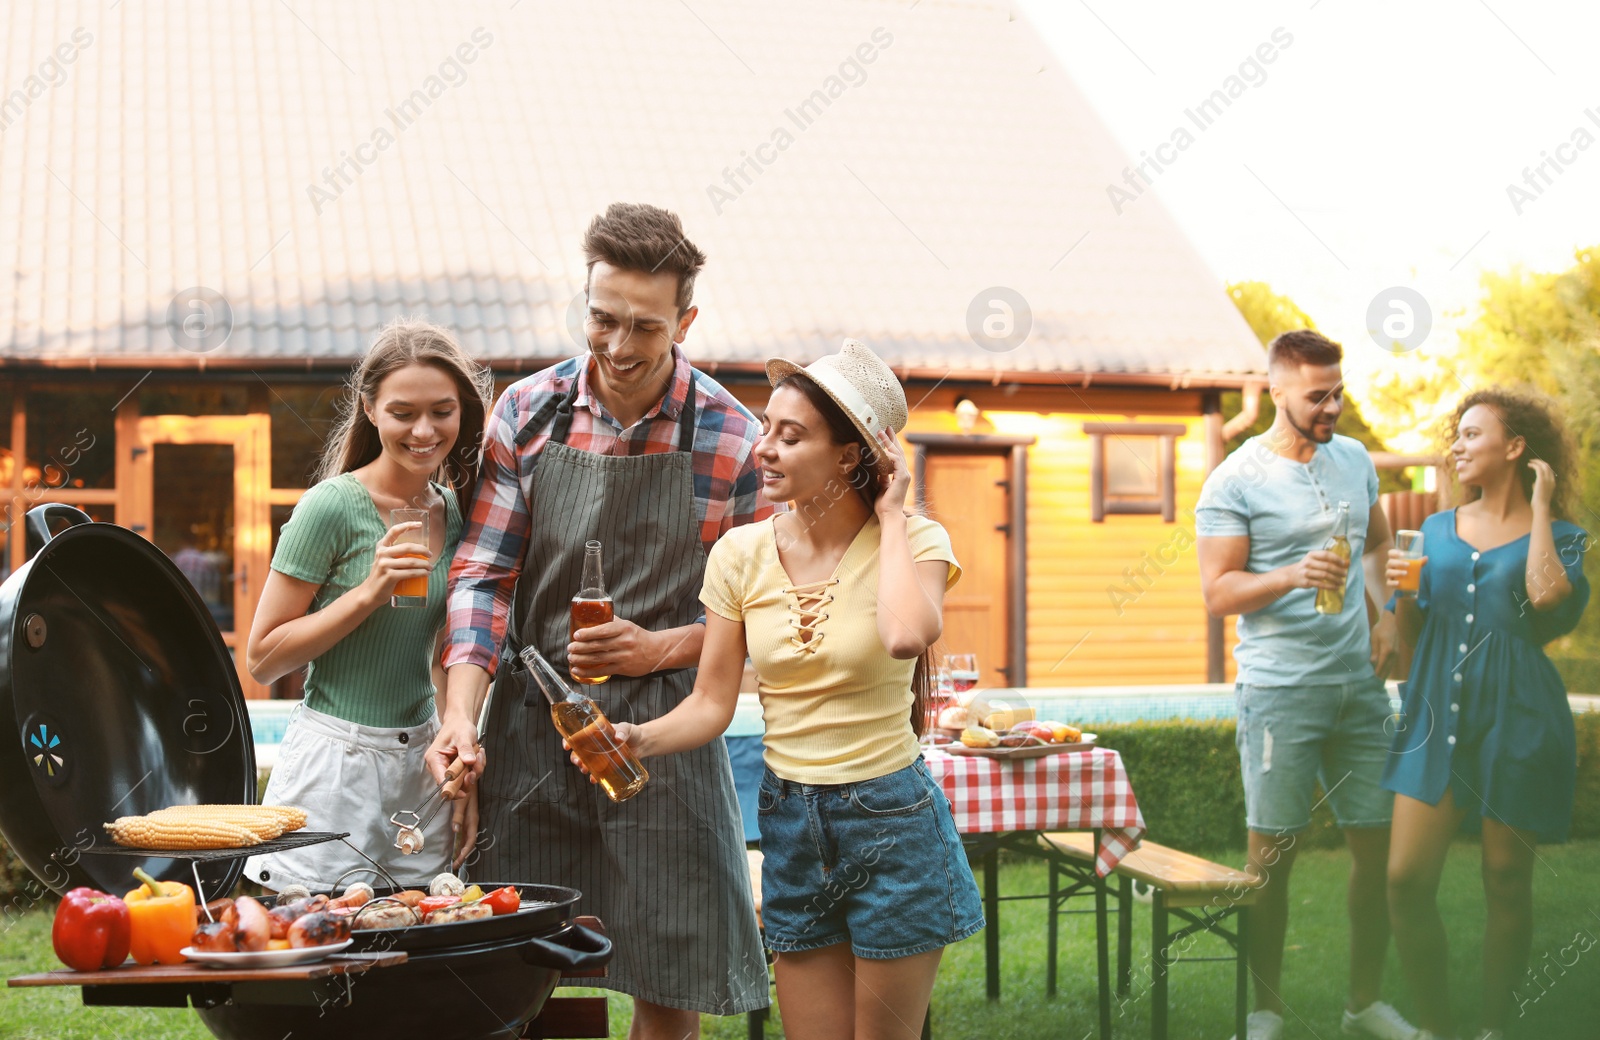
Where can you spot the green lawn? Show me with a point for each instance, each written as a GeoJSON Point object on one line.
{"type": "Point", "coordinates": [1567, 891]}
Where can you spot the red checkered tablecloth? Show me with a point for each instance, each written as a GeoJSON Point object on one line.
{"type": "Point", "coordinates": [1070, 791]}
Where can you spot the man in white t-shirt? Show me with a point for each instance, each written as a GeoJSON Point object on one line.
{"type": "Point", "coordinates": [1311, 698]}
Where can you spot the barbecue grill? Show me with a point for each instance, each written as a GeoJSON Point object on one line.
{"type": "Point", "coordinates": [126, 701]}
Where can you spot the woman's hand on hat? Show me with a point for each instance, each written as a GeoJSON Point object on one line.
{"type": "Point", "coordinates": [896, 483]}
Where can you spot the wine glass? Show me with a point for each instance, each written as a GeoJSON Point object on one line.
{"type": "Point", "coordinates": [941, 696]}
{"type": "Point", "coordinates": [963, 669]}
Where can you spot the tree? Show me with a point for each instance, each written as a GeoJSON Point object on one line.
{"type": "Point", "coordinates": [1543, 329]}
{"type": "Point", "coordinates": [1268, 314]}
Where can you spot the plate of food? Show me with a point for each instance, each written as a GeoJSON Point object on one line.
{"type": "Point", "coordinates": [1028, 739]}
{"type": "Point", "coordinates": [264, 958]}
{"type": "Point", "coordinates": [242, 933]}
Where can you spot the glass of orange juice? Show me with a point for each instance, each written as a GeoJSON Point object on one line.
{"type": "Point", "coordinates": [411, 592]}
{"type": "Point", "coordinates": [1410, 543]}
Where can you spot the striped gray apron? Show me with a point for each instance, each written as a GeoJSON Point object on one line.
{"type": "Point", "coordinates": [665, 870]}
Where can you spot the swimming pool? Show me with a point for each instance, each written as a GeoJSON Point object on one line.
{"type": "Point", "coordinates": [1084, 706]}
{"type": "Point", "coordinates": [1087, 706]}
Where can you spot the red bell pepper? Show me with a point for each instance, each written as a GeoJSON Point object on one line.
{"type": "Point", "coordinates": [504, 900]}
{"type": "Point", "coordinates": [91, 930]}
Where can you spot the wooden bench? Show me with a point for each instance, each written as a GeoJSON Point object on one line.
{"type": "Point", "coordinates": [1203, 894]}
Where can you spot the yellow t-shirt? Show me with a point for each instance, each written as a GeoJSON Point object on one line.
{"type": "Point", "coordinates": [837, 708]}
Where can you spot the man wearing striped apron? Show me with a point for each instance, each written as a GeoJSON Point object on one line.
{"type": "Point", "coordinates": [631, 446]}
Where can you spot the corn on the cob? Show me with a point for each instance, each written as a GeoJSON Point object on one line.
{"type": "Point", "coordinates": [262, 825]}
{"type": "Point", "coordinates": [155, 832]}
{"type": "Point", "coordinates": [290, 818]}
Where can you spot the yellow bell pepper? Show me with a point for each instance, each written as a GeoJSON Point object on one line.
{"type": "Point", "coordinates": [163, 916]}
{"type": "Point", "coordinates": [472, 894]}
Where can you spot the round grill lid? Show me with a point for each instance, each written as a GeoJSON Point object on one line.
{"type": "Point", "coordinates": [124, 698]}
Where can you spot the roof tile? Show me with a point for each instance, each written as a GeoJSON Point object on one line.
{"type": "Point", "coordinates": [243, 147]}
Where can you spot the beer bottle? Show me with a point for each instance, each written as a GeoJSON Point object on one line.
{"type": "Point", "coordinates": [588, 732]}
{"type": "Point", "coordinates": [1331, 601]}
{"type": "Point", "coordinates": [591, 606]}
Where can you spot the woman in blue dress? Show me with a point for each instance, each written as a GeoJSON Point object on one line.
{"type": "Point", "coordinates": [1485, 735]}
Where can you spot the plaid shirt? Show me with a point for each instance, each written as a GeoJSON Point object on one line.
{"type": "Point", "coordinates": [483, 575]}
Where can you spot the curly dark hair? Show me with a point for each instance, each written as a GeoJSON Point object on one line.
{"type": "Point", "coordinates": [1536, 418]}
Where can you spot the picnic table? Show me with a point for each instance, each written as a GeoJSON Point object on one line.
{"type": "Point", "coordinates": [1004, 803]}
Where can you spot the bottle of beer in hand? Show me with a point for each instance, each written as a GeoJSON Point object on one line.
{"type": "Point", "coordinates": [591, 606]}
{"type": "Point", "coordinates": [589, 733]}
{"type": "Point", "coordinates": [1331, 601]}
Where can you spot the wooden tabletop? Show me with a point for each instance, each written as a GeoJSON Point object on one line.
{"type": "Point", "coordinates": [130, 974]}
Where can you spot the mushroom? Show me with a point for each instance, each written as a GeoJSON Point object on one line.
{"type": "Point", "coordinates": [446, 884]}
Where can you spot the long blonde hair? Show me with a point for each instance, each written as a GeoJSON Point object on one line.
{"type": "Point", "coordinates": [355, 442]}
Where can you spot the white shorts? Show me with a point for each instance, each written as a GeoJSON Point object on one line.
{"type": "Point", "coordinates": [352, 778]}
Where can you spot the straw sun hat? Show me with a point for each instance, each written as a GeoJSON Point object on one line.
{"type": "Point", "coordinates": [861, 384]}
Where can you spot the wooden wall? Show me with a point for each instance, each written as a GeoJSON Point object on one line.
{"type": "Point", "coordinates": [1093, 618]}
{"type": "Point", "coordinates": [1118, 602]}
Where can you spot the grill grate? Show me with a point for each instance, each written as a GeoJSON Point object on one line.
{"type": "Point", "coordinates": [292, 840]}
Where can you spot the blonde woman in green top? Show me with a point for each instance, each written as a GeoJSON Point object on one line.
{"type": "Point", "coordinates": [352, 755]}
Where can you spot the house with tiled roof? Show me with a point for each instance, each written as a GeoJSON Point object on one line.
{"type": "Point", "coordinates": [208, 211]}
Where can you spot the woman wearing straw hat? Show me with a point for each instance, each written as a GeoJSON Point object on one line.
{"type": "Point", "coordinates": [836, 603]}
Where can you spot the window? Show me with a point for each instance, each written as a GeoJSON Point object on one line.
{"type": "Point", "coordinates": [1133, 469]}
{"type": "Point", "coordinates": [303, 418]}
{"type": "Point", "coordinates": [71, 438]}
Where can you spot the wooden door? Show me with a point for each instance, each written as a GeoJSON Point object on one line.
{"type": "Point", "coordinates": [198, 489]}
{"type": "Point", "coordinates": [969, 495]}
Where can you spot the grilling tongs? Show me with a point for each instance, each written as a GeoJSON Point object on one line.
{"type": "Point", "coordinates": [409, 839]}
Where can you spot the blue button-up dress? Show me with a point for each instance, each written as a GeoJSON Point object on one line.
{"type": "Point", "coordinates": [1484, 712]}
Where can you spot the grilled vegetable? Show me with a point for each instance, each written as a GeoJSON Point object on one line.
{"type": "Point", "coordinates": [503, 900]}
{"type": "Point", "coordinates": [472, 894]}
{"type": "Point", "coordinates": [446, 884]}
{"type": "Point", "coordinates": [91, 930]}
{"type": "Point", "coordinates": [255, 928]}
{"type": "Point", "coordinates": [290, 892]}
{"type": "Point", "coordinates": [459, 912]}
{"type": "Point", "coordinates": [410, 897]}
{"type": "Point", "coordinates": [215, 937]}
{"type": "Point", "coordinates": [318, 929]}
{"type": "Point", "coordinates": [264, 826]}
{"type": "Point", "coordinates": [175, 832]}
{"type": "Point", "coordinates": [290, 817]}
{"type": "Point", "coordinates": [163, 917]}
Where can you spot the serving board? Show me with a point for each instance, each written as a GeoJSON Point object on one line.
{"type": "Point", "coordinates": [1037, 751]}
{"type": "Point", "coordinates": [133, 974]}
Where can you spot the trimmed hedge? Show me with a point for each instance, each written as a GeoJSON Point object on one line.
{"type": "Point", "coordinates": [1186, 775]}
{"type": "Point", "coordinates": [1580, 674]}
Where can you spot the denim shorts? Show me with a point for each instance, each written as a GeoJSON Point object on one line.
{"type": "Point", "coordinates": [1292, 737]}
{"type": "Point", "coordinates": [877, 864]}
